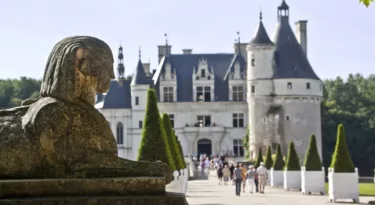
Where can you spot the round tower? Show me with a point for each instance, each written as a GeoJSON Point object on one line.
{"type": "Point", "coordinates": [260, 87]}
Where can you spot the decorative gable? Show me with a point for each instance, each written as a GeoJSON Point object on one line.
{"type": "Point", "coordinates": [168, 73]}
{"type": "Point", "coordinates": [202, 71]}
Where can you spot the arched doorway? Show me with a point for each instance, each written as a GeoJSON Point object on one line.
{"type": "Point", "coordinates": [204, 147]}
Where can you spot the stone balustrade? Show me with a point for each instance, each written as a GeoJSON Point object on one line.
{"type": "Point", "coordinates": [179, 183]}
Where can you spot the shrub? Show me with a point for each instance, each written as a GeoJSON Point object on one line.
{"type": "Point", "coordinates": [268, 161]}
{"type": "Point", "coordinates": [172, 141]}
{"type": "Point", "coordinates": [341, 160]}
{"type": "Point", "coordinates": [259, 158]}
{"type": "Point", "coordinates": [292, 161]}
{"type": "Point", "coordinates": [312, 158]}
{"type": "Point", "coordinates": [278, 164]}
{"type": "Point", "coordinates": [181, 153]}
{"type": "Point", "coordinates": [154, 144]}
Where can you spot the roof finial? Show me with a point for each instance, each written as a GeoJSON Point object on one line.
{"type": "Point", "coordinates": [260, 14]}
{"type": "Point", "coordinates": [166, 39]}
{"type": "Point", "coordinates": [139, 52]}
{"type": "Point", "coordinates": [238, 37]}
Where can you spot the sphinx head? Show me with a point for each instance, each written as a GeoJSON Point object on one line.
{"type": "Point", "coordinates": [77, 68]}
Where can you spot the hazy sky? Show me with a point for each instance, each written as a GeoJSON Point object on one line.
{"type": "Point", "coordinates": [340, 32]}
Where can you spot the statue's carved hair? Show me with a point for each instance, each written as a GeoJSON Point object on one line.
{"type": "Point", "coordinates": [59, 80]}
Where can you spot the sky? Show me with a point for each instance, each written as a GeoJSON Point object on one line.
{"type": "Point", "coordinates": [340, 32]}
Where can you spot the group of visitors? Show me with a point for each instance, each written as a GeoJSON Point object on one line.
{"type": "Point", "coordinates": [206, 164]}
{"type": "Point", "coordinates": [239, 175]}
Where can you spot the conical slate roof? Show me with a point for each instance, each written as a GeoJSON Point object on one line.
{"type": "Point", "coordinates": [261, 36]}
{"type": "Point", "coordinates": [140, 77]}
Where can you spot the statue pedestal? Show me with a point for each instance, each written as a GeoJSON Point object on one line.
{"type": "Point", "coordinates": [103, 191]}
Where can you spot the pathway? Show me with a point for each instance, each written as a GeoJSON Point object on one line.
{"type": "Point", "coordinates": [208, 192]}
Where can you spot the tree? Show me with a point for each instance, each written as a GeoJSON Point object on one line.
{"type": "Point", "coordinates": [268, 162]}
{"type": "Point", "coordinates": [366, 2]}
{"type": "Point", "coordinates": [312, 158]}
{"type": "Point", "coordinates": [341, 160]}
{"type": "Point", "coordinates": [292, 161]}
{"type": "Point", "coordinates": [245, 143]}
{"type": "Point", "coordinates": [259, 158]}
{"type": "Point", "coordinates": [154, 144]}
{"type": "Point", "coordinates": [181, 153]}
{"type": "Point", "coordinates": [278, 164]}
{"type": "Point", "coordinates": [172, 141]}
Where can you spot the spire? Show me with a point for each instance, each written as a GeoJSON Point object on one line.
{"type": "Point", "coordinates": [238, 42]}
{"type": "Point", "coordinates": [139, 53]}
{"type": "Point", "coordinates": [261, 36]}
{"type": "Point", "coordinates": [140, 76]}
{"type": "Point", "coordinates": [283, 12]}
{"type": "Point", "coordinates": [120, 66]}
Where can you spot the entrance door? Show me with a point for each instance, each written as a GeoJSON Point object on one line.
{"type": "Point", "coordinates": [204, 147]}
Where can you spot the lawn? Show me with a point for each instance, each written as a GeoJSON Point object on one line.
{"type": "Point", "coordinates": [365, 189]}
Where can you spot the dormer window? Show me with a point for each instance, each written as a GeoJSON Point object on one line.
{"type": "Point", "coordinates": [289, 85]}
{"type": "Point", "coordinates": [237, 93]}
{"type": "Point", "coordinates": [203, 73]}
{"type": "Point", "coordinates": [168, 94]}
{"type": "Point", "coordinates": [203, 94]}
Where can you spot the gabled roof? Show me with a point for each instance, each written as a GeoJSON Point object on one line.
{"type": "Point", "coordinates": [119, 95]}
{"type": "Point", "coordinates": [237, 58]}
{"type": "Point", "coordinates": [290, 60]}
{"type": "Point", "coordinates": [140, 77]}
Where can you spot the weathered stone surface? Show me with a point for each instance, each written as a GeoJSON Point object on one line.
{"type": "Point", "coordinates": [61, 134]}
{"type": "Point", "coordinates": [163, 199]}
{"type": "Point", "coordinates": [82, 187]}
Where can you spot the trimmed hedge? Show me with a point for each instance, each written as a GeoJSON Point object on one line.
{"type": "Point", "coordinates": [312, 158]}
{"type": "Point", "coordinates": [154, 144]}
{"type": "Point", "coordinates": [181, 153]}
{"type": "Point", "coordinates": [268, 161]}
{"type": "Point", "coordinates": [259, 158]}
{"type": "Point", "coordinates": [278, 164]}
{"type": "Point", "coordinates": [341, 160]}
{"type": "Point", "coordinates": [172, 141]}
{"type": "Point", "coordinates": [292, 161]}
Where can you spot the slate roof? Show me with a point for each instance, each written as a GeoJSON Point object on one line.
{"type": "Point", "coordinates": [237, 58]}
{"type": "Point", "coordinates": [118, 96]}
{"type": "Point", "coordinates": [290, 60]}
{"type": "Point", "coordinates": [140, 77]}
{"type": "Point", "coordinates": [261, 36]}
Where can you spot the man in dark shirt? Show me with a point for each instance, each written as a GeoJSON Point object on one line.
{"type": "Point", "coordinates": [231, 169]}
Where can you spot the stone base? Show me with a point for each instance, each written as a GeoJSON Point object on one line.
{"type": "Point", "coordinates": [160, 199]}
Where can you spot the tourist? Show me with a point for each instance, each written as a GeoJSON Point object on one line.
{"type": "Point", "coordinates": [231, 169]}
{"type": "Point", "coordinates": [237, 175]}
{"type": "Point", "coordinates": [244, 170]}
{"type": "Point", "coordinates": [220, 174]}
{"type": "Point", "coordinates": [202, 167]}
{"type": "Point", "coordinates": [250, 178]}
{"type": "Point", "coordinates": [256, 180]}
{"type": "Point", "coordinates": [226, 174]}
{"type": "Point", "coordinates": [207, 166]}
{"type": "Point", "coordinates": [262, 175]}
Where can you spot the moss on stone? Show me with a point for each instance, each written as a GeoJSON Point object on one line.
{"type": "Point", "coordinates": [341, 160]}
{"type": "Point", "coordinates": [292, 161]}
{"type": "Point", "coordinates": [312, 158]}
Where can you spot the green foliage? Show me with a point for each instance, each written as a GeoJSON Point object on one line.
{"type": "Point", "coordinates": [172, 141]}
{"type": "Point", "coordinates": [341, 160]}
{"type": "Point", "coordinates": [278, 164]}
{"type": "Point", "coordinates": [268, 161]}
{"type": "Point", "coordinates": [13, 92]}
{"type": "Point", "coordinates": [181, 153]}
{"type": "Point", "coordinates": [312, 158]}
{"type": "Point", "coordinates": [154, 144]}
{"type": "Point", "coordinates": [259, 158]}
{"type": "Point", "coordinates": [292, 161]}
{"type": "Point", "coordinates": [366, 2]}
{"type": "Point", "coordinates": [245, 143]}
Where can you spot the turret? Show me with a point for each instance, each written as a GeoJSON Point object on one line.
{"type": "Point", "coordinates": [139, 86]}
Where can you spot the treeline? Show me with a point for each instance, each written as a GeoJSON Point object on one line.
{"type": "Point", "coordinates": [348, 101]}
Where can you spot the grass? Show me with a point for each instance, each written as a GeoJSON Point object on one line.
{"type": "Point", "coordinates": [365, 189]}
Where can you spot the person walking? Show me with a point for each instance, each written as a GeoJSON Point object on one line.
{"type": "Point", "coordinates": [231, 169]}
{"type": "Point", "coordinates": [237, 175]}
{"type": "Point", "coordinates": [250, 178]}
{"type": "Point", "coordinates": [207, 166]}
{"type": "Point", "coordinates": [226, 174]}
{"type": "Point", "coordinates": [256, 180]}
{"type": "Point", "coordinates": [262, 175]}
{"type": "Point", "coordinates": [244, 170]}
{"type": "Point", "coordinates": [220, 174]}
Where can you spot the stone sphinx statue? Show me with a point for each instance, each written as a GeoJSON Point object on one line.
{"type": "Point", "coordinates": [61, 134]}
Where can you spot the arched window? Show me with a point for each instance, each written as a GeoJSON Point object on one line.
{"type": "Point", "coordinates": [120, 133]}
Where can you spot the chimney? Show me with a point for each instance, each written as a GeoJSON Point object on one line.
{"type": "Point", "coordinates": [187, 51]}
{"type": "Point", "coordinates": [301, 34]}
{"type": "Point", "coordinates": [242, 47]}
{"type": "Point", "coordinates": [146, 67]}
{"type": "Point", "coordinates": [164, 50]}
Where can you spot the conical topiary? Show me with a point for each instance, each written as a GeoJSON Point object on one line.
{"type": "Point", "coordinates": [268, 162]}
{"type": "Point", "coordinates": [172, 141]}
{"type": "Point", "coordinates": [341, 160]}
{"type": "Point", "coordinates": [278, 164]}
{"type": "Point", "coordinates": [312, 158]}
{"type": "Point", "coordinates": [181, 153]}
{"type": "Point", "coordinates": [259, 158]}
{"type": "Point", "coordinates": [292, 161]}
{"type": "Point", "coordinates": [154, 144]}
